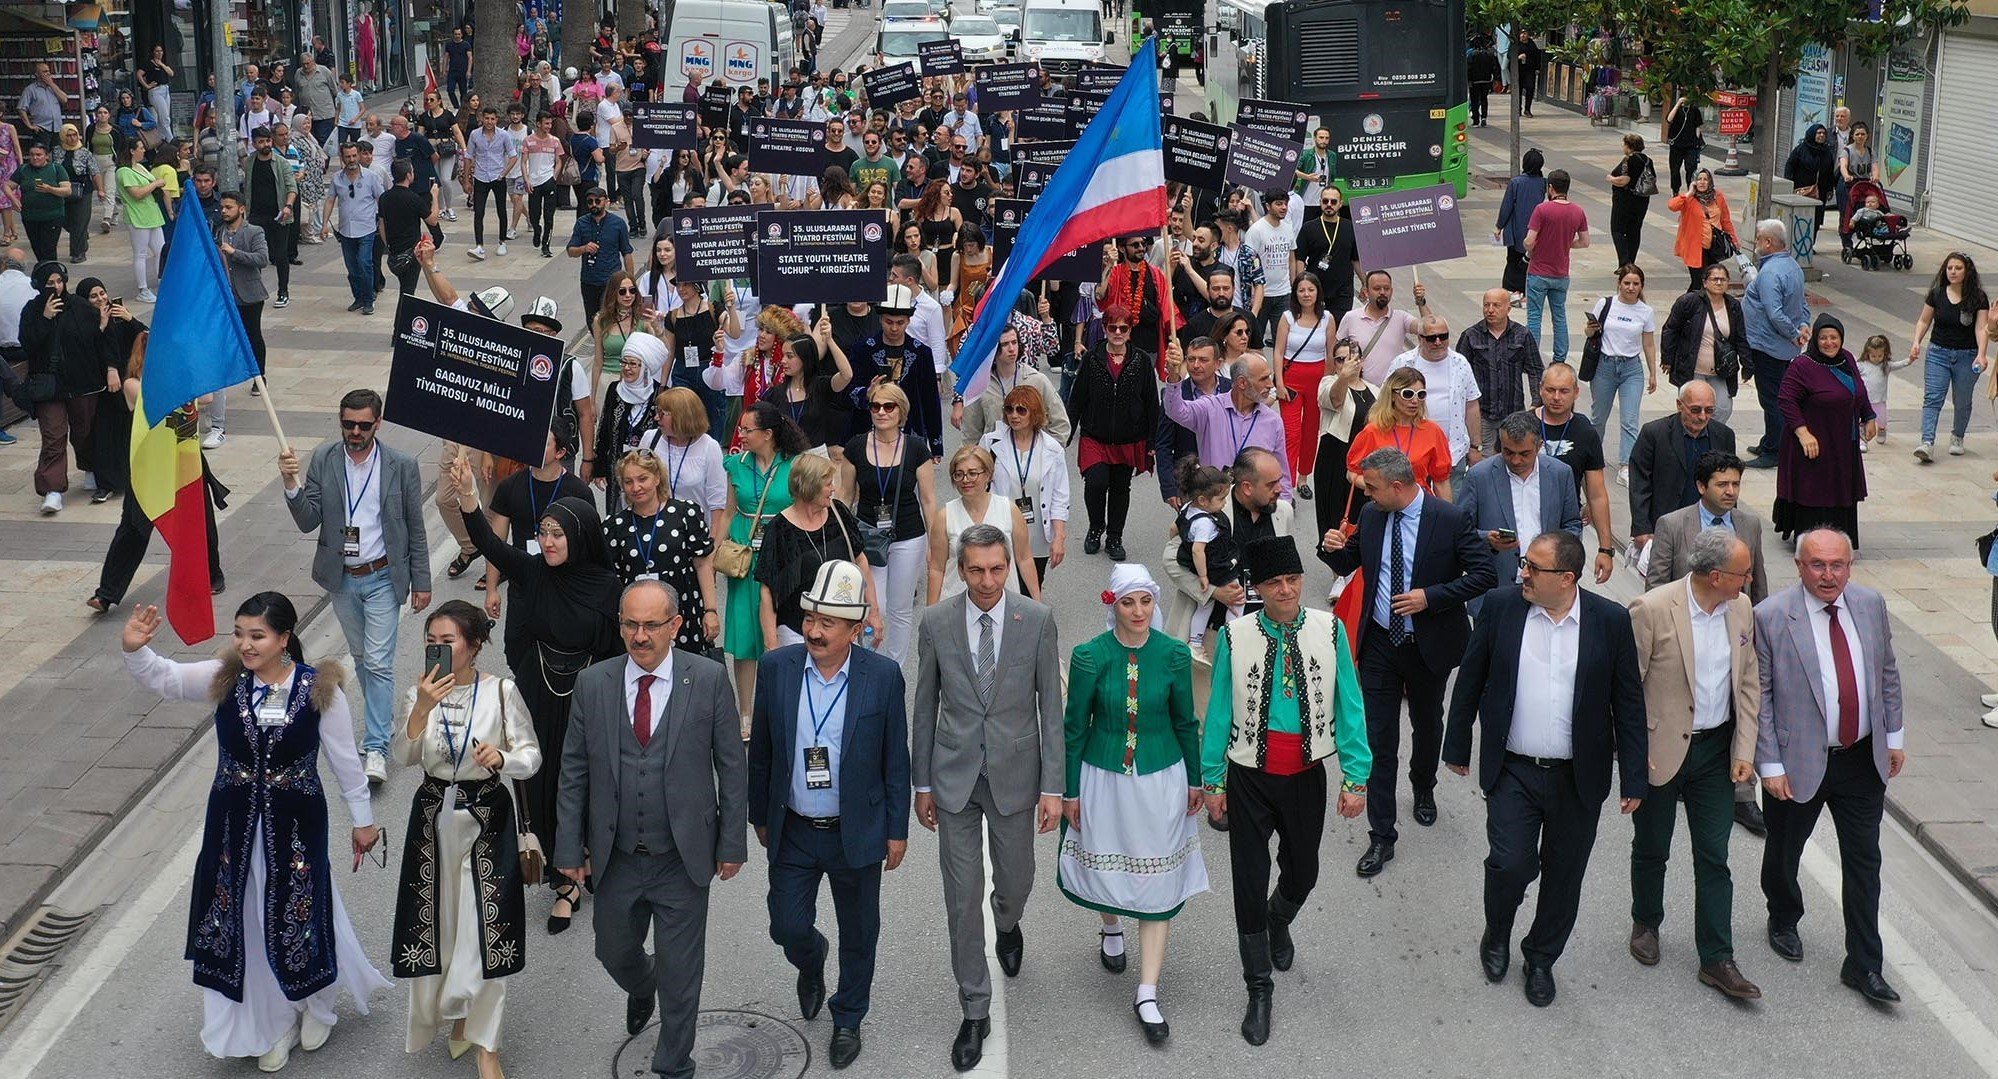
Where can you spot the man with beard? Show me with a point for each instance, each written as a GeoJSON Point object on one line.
{"type": "Point", "coordinates": [1131, 282]}
{"type": "Point", "coordinates": [1569, 437]}
{"type": "Point", "coordinates": [1326, 247]}
{"type": "Point", "coordinates": [1192, 271]}
{"type": "Point", "coordinates": [894, 355]}
{"type": "Point", "coordinates": [1204, 378]}
{"type": "Point", "coordinates": [1223, 426]}
{"type": "Point", "coordinates": [1382, 331]}
{"type": "Point", "coordinates": [1219, 300]}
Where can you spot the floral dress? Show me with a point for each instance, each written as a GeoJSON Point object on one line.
{"type": "Point", "coordinates": [10, 161]}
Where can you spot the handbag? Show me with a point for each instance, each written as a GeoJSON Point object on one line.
{"type": "Point", "coordinates": [1645, 183]}
{"type": "Point", "coordinates": [875, 539]}
{"type": "Point", "coordinates": [1727, 362]}
{"type": "Point", "coordinates": [1592, 343]}
{"type": "Point", "coordinates": [733, 558]}
{"type": "Point", "coordinates": [533, 860]}
{"type": "Point", "coordinates": [1984, 547]}
{"type": "Point", "coordinates": [568, 173]}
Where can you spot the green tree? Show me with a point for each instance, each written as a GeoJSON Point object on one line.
{"type": "Point", "coordinates": [1536, 17]}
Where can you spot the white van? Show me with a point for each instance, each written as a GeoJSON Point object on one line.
{"type": "Point", "coordinates": [734, 42]}
{"type": "Point", "coordinates": [1061, 34]}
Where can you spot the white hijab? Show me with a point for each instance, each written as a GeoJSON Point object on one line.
{"type": "Point", "coordinates": [1126, 578]}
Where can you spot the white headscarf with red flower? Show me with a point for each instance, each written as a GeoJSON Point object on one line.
{"type": "Point", "coordinates": [1126, 578]}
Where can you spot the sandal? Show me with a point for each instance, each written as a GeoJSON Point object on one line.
{"type": "Point", "coordinates": [572, 894]}
{"type": "Point", "coordinates": [460, 564]}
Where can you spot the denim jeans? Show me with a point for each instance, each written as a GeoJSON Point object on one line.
{"type": "Point", "coordinates": [1949, 371]}
{"type": "Point", "coordinates": [368, 613]}
{"type": "Point", "coordinates": [1617, 376]}
{"type": "Point", "coordinates": [1555, 291]}
{"type": "Point", "coordinates": [359, 252]}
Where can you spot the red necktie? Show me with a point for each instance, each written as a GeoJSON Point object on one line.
{"type": "Point", "coordinates": [641, 712]}
{"type": "Point", "coordinates": [1848, 682]}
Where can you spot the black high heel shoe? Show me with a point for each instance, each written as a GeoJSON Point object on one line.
{"type": "Point", "coordinates": [572, 894]}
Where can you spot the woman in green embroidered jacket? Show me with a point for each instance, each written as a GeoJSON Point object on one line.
{"type": "Point", "coordinates": [1130, 843]}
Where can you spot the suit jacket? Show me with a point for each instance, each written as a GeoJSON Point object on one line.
{"type": "Point", "coordinates": [1673, 540]}
{"type": "Point", "coordinates": [1658, 475]}
{"type": "Point", "coordinates": [321, 503]}
{"type": "Point", "coordinates": [1794, 721]}
{"type": "Point", "coordinates": [1451, 563]}
{"type": "Point", "coordinates": [1487, 500]}
{"type": "Point", "coordinates": [705, 793]}
{"type": "Point", "coordinates": [246, 266]}
{"type": "Point", "coordinates": [873, 751]}
{"type": "Point", "coordinates": [1608, 712]}
{"type": "Point", "coordinates": [1016, 739]}
{"type": "Point", "coordinates": [1662, 622]}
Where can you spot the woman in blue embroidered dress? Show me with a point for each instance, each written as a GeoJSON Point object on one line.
{"type": "Point", "coordinates": [270, 940]}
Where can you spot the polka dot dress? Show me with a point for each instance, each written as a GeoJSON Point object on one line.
{"type": "Point", "coordinates": [666, 545]}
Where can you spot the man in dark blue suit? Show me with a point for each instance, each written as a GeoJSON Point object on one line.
{"type": "Point", "coordinates": [1424, 560]}
{"type": "Point", "coordinates": [1551, 673]}
{"type": "Point", "coordinates": [829, 793]}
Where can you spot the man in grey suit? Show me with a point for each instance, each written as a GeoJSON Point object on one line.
{"type": "Point", "coordinates": [246, 254]}
{"type": "Point", "coordinates": [655, 788]}
{"type": "Point", "coordinates": [365, 500]}
{"type": "Point", "coordinates": [986, 744]}
{"type": "Point", "coordinates": [1520, 482]}
{"type": "Point", "coordinates": [1830, 738]}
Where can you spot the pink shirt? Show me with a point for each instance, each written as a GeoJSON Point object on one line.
{"type": "Point", "coordinates": [1558, 223]}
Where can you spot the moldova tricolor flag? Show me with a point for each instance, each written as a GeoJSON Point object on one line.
{"type": "Point", "coordinates": [1112, 184]}
{"type": "Point", "coordinates": [197, 346]}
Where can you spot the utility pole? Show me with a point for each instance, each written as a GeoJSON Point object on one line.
{"type": "Point", "coordinates": [229, 169]}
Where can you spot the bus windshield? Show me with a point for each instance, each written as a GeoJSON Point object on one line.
{"type": "Point", "coordinates": [1062, 24]}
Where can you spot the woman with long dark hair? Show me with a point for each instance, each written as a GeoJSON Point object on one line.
{"type": "Point", "coordinates": [270, 940]}
{"type": "Point", "coordinates": [937, 219]}
{"type": "Point", "coordinates": [1706, 338]}
{"type": "Point", "coordinates": [759, 488]}
{"type": "Point", "coordinates": [1345, 400]}
{"type": "Point", "coordinates": [1298, 350]}
{"type": "Point", "coordinates": [1956, 319]}
{"type": "Point", "coordinates": [1523, 193]}
{"type": "Point", "coordinates": [460, 917]}
{"type": "Point", "coordinates": [971, 268]}
{"type": "Point", "coordinates": [1115, 407]}
{"type": "Point", "coordinates": [811, 388]}
{"type": "Point", "coordinates": [1630, 199]}
{"type": "Point", "coordinates": [564, 596]}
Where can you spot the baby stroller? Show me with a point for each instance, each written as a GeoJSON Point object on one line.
{"type": "Point", "coordinates": [1875, 237]}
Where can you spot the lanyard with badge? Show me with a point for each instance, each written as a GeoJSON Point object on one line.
{"type": "Point", "coordinates": [456, 750]}
{"type": "Point", "coordinates": [884, 513]}
{"type": "Point", "coordinates": [350, 534]}
{"type": "Point", "coordinates": [533, 543]}
{"type": "Point", "coordinates": [1026, 499]}
{"type": "Point", "coordinates": [1242, 442]}
{"type": "Point", "coordinates": [818, 756]}
{"type": "Point", "coordinates": [646, 545]}
{"type": "Point", "coordinates": [1547, 441]}
{"type": "Point", "coordinates": [271, 710]}
{"type": "Point", "coordinates": [1331, 240]}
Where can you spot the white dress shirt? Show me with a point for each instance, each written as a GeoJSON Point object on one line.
{"type": "Point", "coordinates": [971, 616]}
{"type": "Point", "coordinates": [662, 690]}
{"type": "Point", "coordinates": [1543, 701]}
{"type": "Point", "coordinates": [1525, 501]}
{"type": "Point", "coordinates": [929, 327]}
{"type": "Point", "coordinates": [364, 507]}
{"type": "Point", "coordinates": [1713, 664]}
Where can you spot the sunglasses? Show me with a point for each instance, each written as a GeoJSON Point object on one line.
{"type": "Point", "coordinates": [1118, 328]}
{"type": "Point", "coordinates": [1017, 410]}
{"type": "Point", "coordinates": [627, 291]}
{"type": "Point", "coordinates": [357, 425]}
{"type": "Point", "coordinates": [1435, 338]}
{"type": "Point", "coordinates": [882, 406]}
{"type": "Point", "coordinates": [1410, 394]}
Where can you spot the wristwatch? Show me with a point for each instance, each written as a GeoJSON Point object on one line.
{"type": "Point", "coordinates": [1605, 550]}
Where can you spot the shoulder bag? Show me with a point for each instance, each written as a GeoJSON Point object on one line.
{"type": "Point", "coordinates": [533, 860]}
{"type": "Point", "coordinates": [1592, 345]}
{"type": "Point", "coordinates": [1645, 183]}
{"type": "Point", "coordinates": [733, 558]}
{"type": "Point", "coordinates": [875, 539]}
{"type": "Point", "coordinates": [1727, 362]}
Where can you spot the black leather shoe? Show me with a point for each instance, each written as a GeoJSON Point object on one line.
{"type": "Point", "coordinates": [1425, 808]}
{"type": "Point", "coordinates": [638, 1012]}
{"type": "Point", "coordinates": [1011, 947]}
{"type": "Point", "coordinates": [1219, 824]}
{"type": "Point", "coordinates": [1115, 964]}
{"type": "Point", "coordinates": [1093, 542]}
{"type": "Point", "coordinates": [1539, 984]}
{"type": "Point", "coordinates": [1155, 1033]}
{"type": "Point", "coordinates": [969, 1046]}
{"type": "Point", "coordinates": [1786, 942]}
{"type": "Point", "coordinates": [1495, 955]}
{"type": "Point", "coordinates": [1283, 950]}
{"type": "Point", "coordinates": [811, 992]}
{"type": "Point", "coordinates": [218, 585]}
{"type": "Point", "coordinates": [1870, 985]}
{"type": "Point", "coordinates": [1379, 853]}
{"type": "Point", "coordinates": [1114, 547]}
{"type": "Point", "coordinates": [1749, 816]}
{"type": "Point", "coordinates": [845, 1046]}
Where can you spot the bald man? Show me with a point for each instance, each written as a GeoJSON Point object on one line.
{"type": "Point", "coordinates": [1506, 360]}
{"type": "Point", "coordinates": [1661, 464]}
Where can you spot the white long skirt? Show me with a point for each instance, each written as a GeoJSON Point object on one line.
{"type": "Point", "coordinates": [462, 990]}
{"type": "Point", "coordinates": [1138, 851]}
{"type": "Point", "coordinates": [250, 1029]}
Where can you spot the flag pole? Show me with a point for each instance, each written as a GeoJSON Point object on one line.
{"type": "Point", "coordinates": [270, 409]}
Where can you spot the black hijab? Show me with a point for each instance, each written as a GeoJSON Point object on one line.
{"type": "Point", "coordinates": [575, 604]}
{"type": "Point", "coordinates": [1827, 321]}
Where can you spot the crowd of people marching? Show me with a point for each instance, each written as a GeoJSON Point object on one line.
{"type": "Point", "coordinates": [750, 519]}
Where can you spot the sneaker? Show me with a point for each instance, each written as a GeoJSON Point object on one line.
{"type": "Point", "coordinates": [216, 436]}
{"type": "Point", "coordinates": [367, 309]}
{"type": "Point", "coordinates": [312, 1033]}
{"type": "Point", "coordinates": [510, 234]}
{"type": "Point", "coordinates": [1956, 447]}
{"type": "Point", "coordinates": [377, 767]}
{"type": "Point", "coordinates": [256, 389]}
{"type": "Point", "coordinates": [7, 439]}
{"type": "Point", "coordinates": [478, 253]}
{"type": "Point", "coordinates": [101, 497]}
{"type": "Point", "coordinates": [1623, 475]}
{"type": "Point", "coordinates": [502, 249]}
{"type": "Point", "coordinates": [1925, 452]}
{"type": "Point", "coordinates": [52, 503]}
{"type": "Point", "coordinates": [353, 307]}
{"type": "Point", "coordinates": [450, 214]}
{"type": "Point", "coordinates": [280, 1054]}
{"type": "Point", "coordinates": [147, 295]}
{"type": "Point", "coordinates": [1865, 447]}
{"type": "Point", "coordinates": [283, 300]}
{"type": "Point", "coordinates": [1991, 718]}
{"type": "Point", "coordinates": [545, 253]}
{"type": "Point", "coordinates": [1881, 437]}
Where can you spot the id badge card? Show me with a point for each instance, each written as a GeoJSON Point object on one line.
{"type": "Point", "coordinates": [1324, 265]}
{"type": "Point", "coordinates": [884, 518]}
{"type": "Point", "coordinates": [534, 547]}
{"type": "Point", "coordinates": [756, 537]}
{"type": "Point", "coordinates": [271, 713]}
{"type": "Point", "coordinates": [818, 768]}
{"type": "Point", "coordinates": [646, 577]}
{"type": "Point", "coordinates": [350, 542]}
{"type": "Point", "coordinates": [693, 357]}
{"type": "Point", "coordinates": [458, 799]}
{"type": "Point", "coordinates": [1026, 504]}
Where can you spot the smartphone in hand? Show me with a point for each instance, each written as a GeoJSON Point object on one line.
{"type": "Point", "coordinates": [436, 659]}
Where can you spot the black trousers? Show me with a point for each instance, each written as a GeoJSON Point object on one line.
{"type": "Point", "coordinates": [1333, 488]}
{"type": "Point", "coordinates": [129, 543]}
{"type": "Point", "coordinates": [1106, 495]}
{"type": "Point", "coordinates": [1683, 165]}
{"type": "Point", "coordinates": [593, 298]}
{"type": "Point", "coordinates": [1769, 372]}
{"type": "Point", "coordinates": [1263, 327]}
{"type": "Point", "coordinates": [44, 237]}
{"type": "Point", "coordinates": [1857, 797]}
{"type": "Point", "coordinates": [1514, 279]}
{"type": "Point", "coordinates": [630, 186]}
{"type": "Point", "coordinates": [76, 221]}
{"type": "Point", "coordinates": [541, 201]}
{"type": "Point", "coordinates": [1537, 825]}
{"type": "Point", "coordinates": [277, 238]}
{"type": "Point", "coordinates": [253, 325]}
{"type": "Point", "coordinates": [805, 856]}
{"type": "Point", "coordinates": [1260, 805]}
{"type": "Point", "coordinates": [1481, 94]}
{"type": "Point", "coordinates": [1626, 229]}
{"type": "Point", "coordinates": [1388, 674]}
{"type": "Point", "coordinates": [481, 191]}
{"type": "Point", "coordinates": [1529, 81]}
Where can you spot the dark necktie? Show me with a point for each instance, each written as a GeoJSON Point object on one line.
{"type": "Point", "coordinates": [641, 711]}
{"type": "Point", "coordinates": [1848, 681]}
{"type": "Point", "coordinates": [1398, 627]}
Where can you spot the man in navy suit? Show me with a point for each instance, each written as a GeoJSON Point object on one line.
{"type": "Point", "coordinates": [1551, 673]}
{"type": "Point", "coordinates": [829, 793]}
{"type": "Point", "coordinates": [1424, 560]}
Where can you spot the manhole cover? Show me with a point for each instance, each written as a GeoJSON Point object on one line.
{"type": "Point", "coordinates": [728, 1045]}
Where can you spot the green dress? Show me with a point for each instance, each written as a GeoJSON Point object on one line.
{"type": "Point", "coordinates": [742, 620]}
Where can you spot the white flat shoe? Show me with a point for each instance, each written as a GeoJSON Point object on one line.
{"type": "Point", "coordinates": [1991, 719]}
{"type": "Point", "coordinates": [280, 1054]}
{"type": "Point", "coordinates": [1989, 700]}
{"type": "Point", "coordinates": [312, 1033]}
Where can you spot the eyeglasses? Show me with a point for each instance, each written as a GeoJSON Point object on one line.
{"type": "Point", "coordinates": [882, 406]}
{"type": "Point", "coordinates": [740, 429]}
{"type": "Point", "coordinates": [630, 626]}
{"type": "Point", "coordinates": [1701, 410]}
{"type": "Point", "coordinates": [1744, 574]}
{"type": "Point", "coordinates": [1410, 393]}
{"type": "Point", "coordinates": [1435, 338]}
{"type": "Point", "coordinates": [1017, 410]}
{"type": "Point", "coordinates": [549, 533]}
{"type": "Point", "coordinates": [1526, 566]}
{"type": "Point", "coordinates": [966, 473]}
{"type": "Point", "coordinates": [357, 425]}
{"type": "Point", "coordinates": [1121, 327]}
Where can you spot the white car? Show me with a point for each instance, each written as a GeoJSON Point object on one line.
{"type": "Point", "coordinates": [898, 41]}
{"type": "Point", "coordinates": [981, 39]}
{"type": "Point", "coordinates": [898, 10]}
{"type": "Point", "coordinates": [1007, 16]}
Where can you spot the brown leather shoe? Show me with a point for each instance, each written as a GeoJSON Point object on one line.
{"type": "Point", "coordinates": [1726, 977]}
{"type": "Point", "coordinates": [1644, 944]}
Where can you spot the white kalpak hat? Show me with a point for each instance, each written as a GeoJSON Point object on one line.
{"type": "Point", "coordinates": [838, 590]}
{"type": "Point", "coordinates": [1126, 578]}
